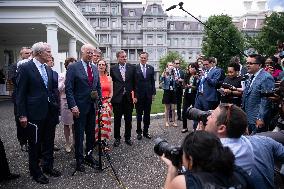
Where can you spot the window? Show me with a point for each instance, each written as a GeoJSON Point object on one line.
{"type": "Point", "coordinates": [124, 41]}
{"type": "Point", "coordinates": [93, 9]}
{"type": "Point", "coordinates": [124, 26]}
{"type": "Point", "coordinates": [160, 39]}
{"type": "Point", "coordinates": [131, 13]}
{"type": "Point", "coordinates": [149, 23]}
{"type": "Point", "coordinates": [186, 26]}
{"type": "Point", "coordinates": [189, 42]}
{"type": "Point", "coordinates": [132, 55]}
{"type": "Point", "coordinates": [104, 22]}
{"type": "Point", "coordinates": [199, 27]}
{"type": "Point", "coordinates": [103, 9]}
{"type": "Point", "coordinates": [139, 40]}
{"type": "Point", "coordinates": [132, 41]}
{"type": "Point", "coordinates": [172, 26]}
{"type": "Point", "coordinates": [182, 42]}
{"type": "Point", "coordinates": [168, 42]}
{"type": "Point", "coordinates": [149, 40]}
{"type": "Point", "coordinates": [160, 22]}
{"type": "Point", "coordinates": [83, 9]}
{"type": "Point", "coordinates": [131, 26]}
{"type": "Point", "coordinates": [103, 38]}
{"type": "Point", "coordinates": [113, 10]}
{"type": "Point", "coordinates": [175, 42]}
{"type": "Point", "coordinates": [113, 55]}
{"type": "Point", "coordinates": [155, 10]}
{"type": "Point", "coordinates": [114, 40]}
{"type": "Point", "coordinates": [138, 26]}
{"type": "Point", "coordinates": [95, 22]}
{"type": "Point", "coordinates": [114, 25]}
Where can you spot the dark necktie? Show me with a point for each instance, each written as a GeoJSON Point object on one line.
{"type": "Point", "coordinates": [90, 74]}
{"type": "Point", "coordinates": [250, 81]}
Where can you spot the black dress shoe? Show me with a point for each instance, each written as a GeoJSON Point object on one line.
{"type": "Point", "coordinates": [128, 142]}
{"type": "Point", "coordinates": [89, 160]}
{"type": "Point", "coordinates": [116, 143]}
{"type": "Point", "coordinates": [41, 179]}
{"type": "Point", "coordinates": [80, 168]}
{"type": "Point", "coordinates": [147, 136]}
{"type": "Point", "coordinates": [184, 130]}
{"type": "Point", "coordinates": [139, 137]}
{"type": "Point", "coordinates": [52, 172]}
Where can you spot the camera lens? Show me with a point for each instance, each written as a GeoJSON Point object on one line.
{"type": "Point", "coordinates": [197, 115]}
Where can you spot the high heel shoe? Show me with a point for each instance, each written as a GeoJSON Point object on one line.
{"type": "Point", "coordinates": [167, 124]}
{"type": "Point", "coordinates": [174, 124]}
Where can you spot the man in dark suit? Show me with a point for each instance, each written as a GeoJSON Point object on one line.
{"type": "Point", "coordinates": [35, 107]}
{"type": "Point", "coordinates": [83, 90]}
{"type": "Point", "coordinates": [123, 77]}
{"type": "Point", "coordinates": [145, 92]}
{"type": "Point", "coordinates": [179, 77]}
{"type": "Point", "coordinates": [25, 53]}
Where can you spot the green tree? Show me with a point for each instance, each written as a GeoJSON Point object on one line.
{"type": "Point", "coordinates": [271, 32]}
{"type": "Point", "coordinates": [170, 57]}
{"type": "Point", "coordinates": [217, 47]}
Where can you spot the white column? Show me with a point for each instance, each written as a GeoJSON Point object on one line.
{"type": "Point", "coordinates": [51, 39]}
{"type": "Point", "coordinates": [72, 48]}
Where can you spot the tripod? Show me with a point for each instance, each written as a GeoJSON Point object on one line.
{"type": "Point", "coordinates": [101, 145]}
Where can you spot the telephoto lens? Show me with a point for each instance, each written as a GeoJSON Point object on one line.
{"type": "Point", "coordinates": [173, 153]}
{"type": "Point", "coordinates": [197, 115]}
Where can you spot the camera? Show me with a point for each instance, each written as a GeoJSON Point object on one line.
{"type": "Point", "coordinates": [197, 115]}
{"type": "Point", "coordinates": [173, 153]}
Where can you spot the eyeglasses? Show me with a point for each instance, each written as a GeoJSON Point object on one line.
{"type": "Point", "coordinates": [251, 63]}
{"type": "Point", "coordinates": [177, 63]}
{"type": "Point", "coordinates": [90, 52]}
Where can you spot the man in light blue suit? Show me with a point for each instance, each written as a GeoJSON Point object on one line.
{"type": "Point", "coordinates": [255, 103]}
{"type": "Point", "coordinates": [82, 80]}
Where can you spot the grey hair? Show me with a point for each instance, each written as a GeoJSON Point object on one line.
{"type": "Point", "coordinates": [119, 52]}
{"type": "Point", "coordinates": [87, 46]}
{"type": "Point", "coordinates": [40, 47]}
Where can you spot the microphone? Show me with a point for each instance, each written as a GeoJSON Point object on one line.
{"type": "Point", "coordinates": [171, 7]}
{"type": "Point", "coordinates": [180, 4]}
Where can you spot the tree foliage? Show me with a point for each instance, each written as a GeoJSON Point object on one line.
{"type": "Point", "coordinates": [271, 32]}
{"type": "Point", "coordinates": [170, 57]}
{"type": "Point", "coordinates": [217, 47]}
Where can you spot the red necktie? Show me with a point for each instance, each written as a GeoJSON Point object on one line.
{"type": "Point", "coordinates": [90, 75]}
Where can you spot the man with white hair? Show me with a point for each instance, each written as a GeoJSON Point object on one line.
{"type": "Point", "coordinates": [35, 110]}
{"type": "Point", "coordinates": [83, 89]}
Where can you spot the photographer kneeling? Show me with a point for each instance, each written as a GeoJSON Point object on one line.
{"type": "Point", "coordinates": [208, 165]}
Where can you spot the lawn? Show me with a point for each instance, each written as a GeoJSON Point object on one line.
{"type": "Point", "coordinates": [157, 106]}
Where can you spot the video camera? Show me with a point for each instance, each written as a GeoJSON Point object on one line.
{"type": "Point", "coordinates": [173, 153]}
{"type": "Point", "coordinates": [197, 115]}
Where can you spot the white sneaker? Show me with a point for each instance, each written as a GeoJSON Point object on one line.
{"type": "Point", "coordinates": [68, 148]}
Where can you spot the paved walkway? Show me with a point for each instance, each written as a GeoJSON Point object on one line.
{"type": "Point", "coordinates": [137, 166]}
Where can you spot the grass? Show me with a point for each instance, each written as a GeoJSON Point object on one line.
{"type": "Point", "coordinates": [157, 106]}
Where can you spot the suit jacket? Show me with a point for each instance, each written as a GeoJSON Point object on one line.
{"type": "Point", "coordinates": [77, 89]}
{"type": "Point", "coordinates": [254, 103]}
{"type": "Point", "coordinates": [119, 85]}
{"type": "Point", "coordinates": [144, 87]}
{"type": "Point", "coordinates": [33, 98]}
{"type": "Point", "coordinates": [56, 97]}
{"type": "Point", "coordinates": [210, 84]}
{"type": "Point", "coordinates": [179, 85]}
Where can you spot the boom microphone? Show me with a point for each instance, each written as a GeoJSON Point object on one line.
{"type": "Point", "coordinates": [171, 7]}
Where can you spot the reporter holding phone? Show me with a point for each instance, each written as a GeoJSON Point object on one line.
{"type": "Point", "coordinates": [228, 90]}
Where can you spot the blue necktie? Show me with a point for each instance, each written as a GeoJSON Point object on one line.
{"type": "Point", "coordinates": [44, 75]}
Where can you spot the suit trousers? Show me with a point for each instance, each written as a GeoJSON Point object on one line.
{"type": "Point", "coordinates": [179, 92]}
{"type": "Point", "coordinates": [4, 171]}
{"type": "Point", "coordinates": [125, 107]}
{"type": "Point", "coordinates": [143, 107]}
{"type": "Point", "coordinates": [188, 100]}
{"type": "Point", "coordinates": [41, 144]}
{"type": "Point", "coordinates": [85, 123]}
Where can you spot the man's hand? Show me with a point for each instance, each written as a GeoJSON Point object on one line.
{"type": "Point", "coordinates": [134, 100]}
{"type": "Point", "coordinates": [200, 126]}
{"type": "Point", "coordinates": [23, 121]}
{"type": "Point", "coordinates": [259, 123]}
{"type": "Point", "coordinates": [75, 111]}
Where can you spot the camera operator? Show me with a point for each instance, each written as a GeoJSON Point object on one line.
{"type": "Point", "coordinates": [169, 96]}
{"type": "Point", "coordinates": [255, 154]}
{"type": "Point", "coordinates": [208, 165]}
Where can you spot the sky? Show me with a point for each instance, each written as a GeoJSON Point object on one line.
{"type": "Point", "coordinates": [206, 8]}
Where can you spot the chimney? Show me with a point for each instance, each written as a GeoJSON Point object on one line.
{"type": "Point", "coordinates": [248, 5]}
{"type": "Point", "coordinates": [261, 5]}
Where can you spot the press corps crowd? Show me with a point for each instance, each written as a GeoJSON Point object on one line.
{"type": "Point", "coordinates": [42, 96]}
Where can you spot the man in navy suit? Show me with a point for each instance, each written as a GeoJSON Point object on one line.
{"type": "Point", "coordinates": [255, 103]}
{"type": "Point", "coordinates": [207, 96]}
{"type": "Point", "coordinates": [179, 77]}
{"type": "Point", "coordinates": [145, 92]}
{"type": "Point", "coordinates": [35, 107]}
{"type": "Point", "coordinates": [83, 90]}
{"type": "Point", "coordinates": [123, 77]}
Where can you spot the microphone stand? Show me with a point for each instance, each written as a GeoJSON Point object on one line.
{"type": "Point", "coordinates": [217, 33]}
